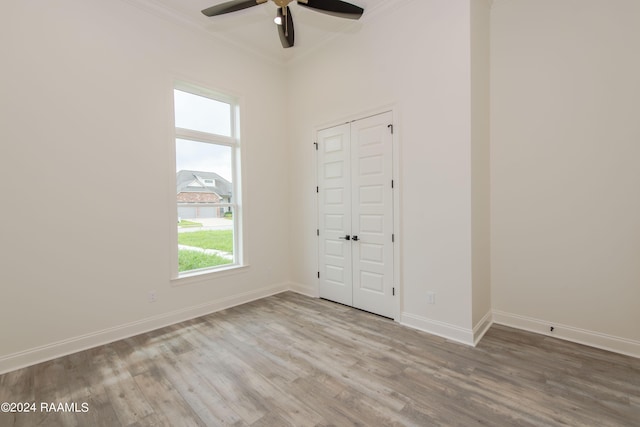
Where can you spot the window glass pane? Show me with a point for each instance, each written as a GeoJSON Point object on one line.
{"type": "Point", "coordinates": [205, 237]}
{"type": "Point", "coordinates": [204, 157]}
{"type": "Point", "coordinates": [202, 114]}
{"type": "Point", "coordinates": [204, 181]}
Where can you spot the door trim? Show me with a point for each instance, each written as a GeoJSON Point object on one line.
{"type": "Point", "coordinates": [395, 111]}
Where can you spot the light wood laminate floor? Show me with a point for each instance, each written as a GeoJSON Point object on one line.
{"type": "Point", "coordinates": [290, 360]}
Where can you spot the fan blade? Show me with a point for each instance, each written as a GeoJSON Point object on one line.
{"type": "Point", "coordinates": [338, 8]}
{"type": "Point", "coordinates": [230, 6]}
{"type": "Point", "coordinates": [285, 30]}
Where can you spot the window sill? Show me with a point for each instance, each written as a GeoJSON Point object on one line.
{"type": "Point", "coordinates": [203, 276]}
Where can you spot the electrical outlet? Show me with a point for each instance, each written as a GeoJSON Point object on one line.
{"type": "Point", "coordinates": [153, 296]}
{"type": "Point", "coordinates": [431, 297]}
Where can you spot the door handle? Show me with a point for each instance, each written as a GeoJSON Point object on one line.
{"type": "Point", "coordinates": [347, 237]}
{"type": "Point", "coordinates": [355, 238]}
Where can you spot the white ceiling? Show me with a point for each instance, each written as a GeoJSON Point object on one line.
{"type": "Point", "coordinates": [253, 29]}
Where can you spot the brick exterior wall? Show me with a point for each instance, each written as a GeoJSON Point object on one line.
{"type": "Point", "coordinates": [198, 198]}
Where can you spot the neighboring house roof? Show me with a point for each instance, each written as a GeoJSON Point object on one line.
{"type": "Point", "coordinates": [189, 181]}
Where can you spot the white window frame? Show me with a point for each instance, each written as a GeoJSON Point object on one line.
{"type": "Point", "coordinates": [233, 141]}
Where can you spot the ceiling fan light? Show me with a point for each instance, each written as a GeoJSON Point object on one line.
{"type": "Point", "coordinates": [278, 20]}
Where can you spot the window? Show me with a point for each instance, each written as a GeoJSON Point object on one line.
{"type": "Point", "coordinates": [207, 191]}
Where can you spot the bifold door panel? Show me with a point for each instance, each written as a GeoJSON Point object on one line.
{"type": "Point", "coordinates": [355, 200]}
{"type": "Point", "coordinates": [334, 201]}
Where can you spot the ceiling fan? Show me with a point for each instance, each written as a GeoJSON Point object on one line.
{"type": "Point", "coordinates": [283, 19]}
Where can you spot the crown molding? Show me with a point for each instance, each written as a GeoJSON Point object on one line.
{"type": "Point", "coordinates": [152, 7]}
{"type": "Point", "coordinates": [371, 13]}
{"type": "Point", "coordinates": [158, 10]}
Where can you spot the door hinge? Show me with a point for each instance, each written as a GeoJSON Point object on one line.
{"type": "Point", "coordinates": [393, 291]}
{"type": "Point", "coordinates": [316, 144]}
{"type": "Point", "coordinates": [317, 231]}
{"type": "Point", "coordinates": [391, 127]}
{"type": "Point", "coordinates": [393, 238]}
{"type": "Point", "coordinates": [391, 183]}
{"type": "Point", "coordinates": [317, 189]}
{"type": "Point", "coordinates": [318, 274]}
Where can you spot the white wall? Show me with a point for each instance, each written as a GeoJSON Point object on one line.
{"type": "Point", "coordinates": [480, 164]}
{"type": "Point", "coordinates": [414, 56]}
{"type": "Point", "coordinates": [565, 175]}
{"type": "Point", "coordinates": [85, 108]}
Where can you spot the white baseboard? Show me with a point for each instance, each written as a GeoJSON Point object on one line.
{"type": "Point", "coordinates": [441, 329]}
{"type": "Point", "coordinates": [482, 327]}
{"type": "Point", "coordinates": [569, 333]}
{"type": "Point", "coordinates": [53, 350]}
{"type": "Point", "coordinates": [307, 290]}
{"type": "Point", "coordinates": [470, 337]}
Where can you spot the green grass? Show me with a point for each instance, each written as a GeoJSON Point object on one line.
{"type": "Point", "coordinates": [191, 260]}
{"type": "Point", "coordinates": [185, 224]}
{"type": "Point", "coordinates": [221, 240]}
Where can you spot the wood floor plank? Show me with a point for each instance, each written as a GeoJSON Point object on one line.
{"type": "Point", "coordinates": [123, 393]}
{"type": "Point", "coordinates": [203, 398]}
{"type": "Point", "coordinates": [167, 403]}
{"type": "Point", "coordinates": [290, 360]}
{"type": "Point", "coordinates": [15, 387]}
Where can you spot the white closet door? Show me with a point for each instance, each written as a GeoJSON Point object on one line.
{"type": "Point", "coordinates": [372, 214]}
{"type": "Point", "coordinates": [334, 216]}
{"type": "Point", "coordinates": [355, 202]}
